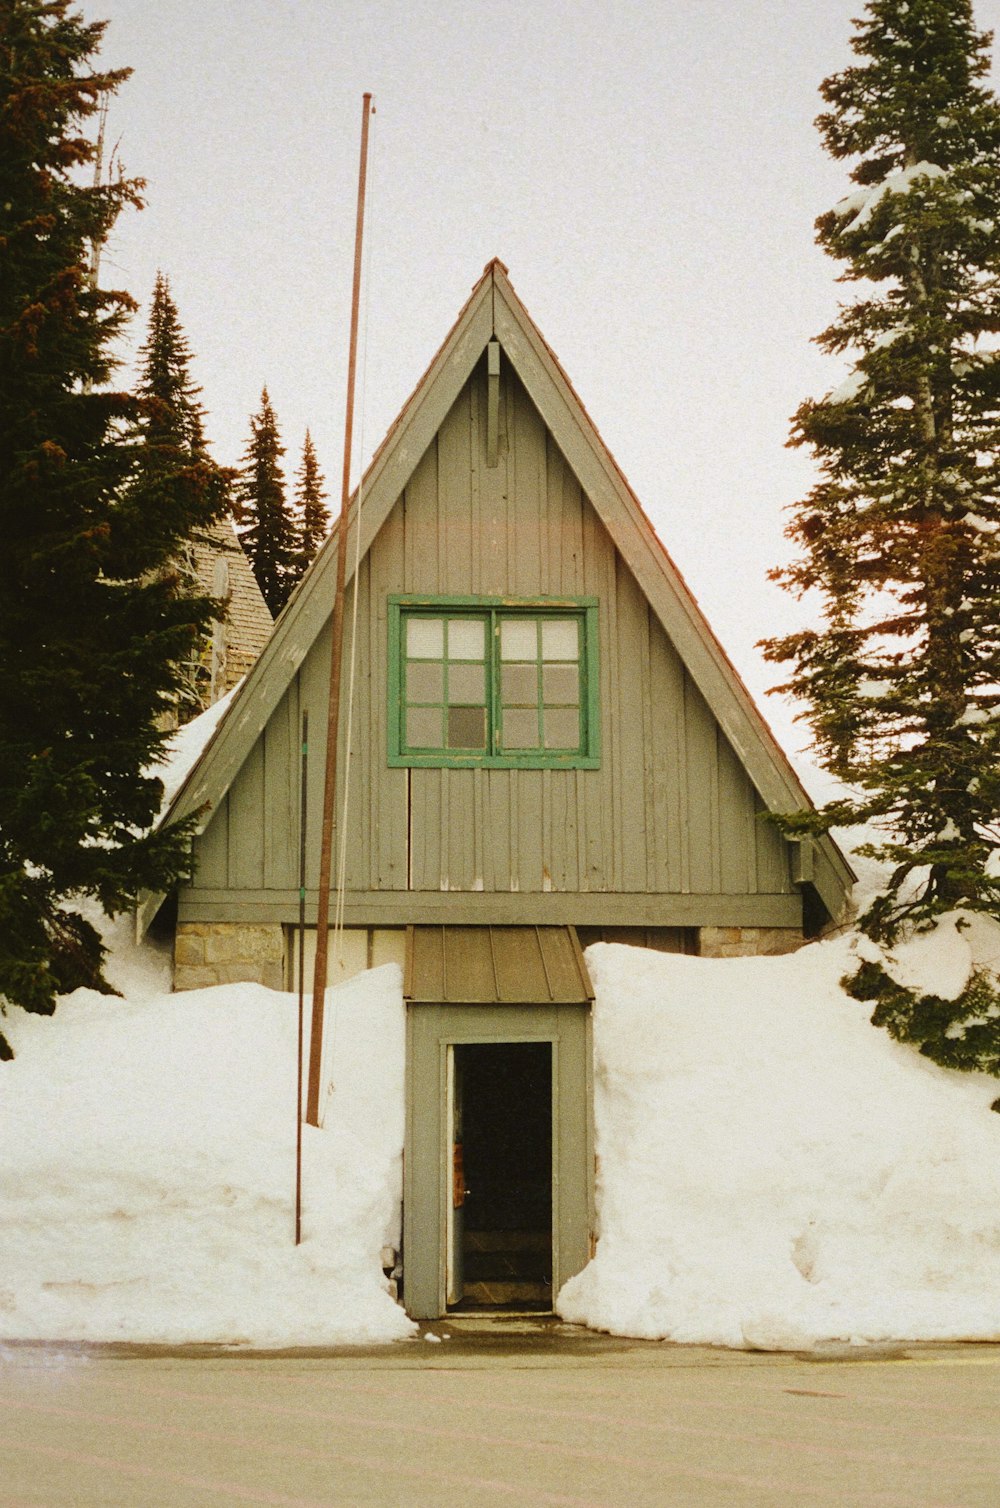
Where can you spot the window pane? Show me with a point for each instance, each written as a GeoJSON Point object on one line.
{"type": "Point", "coordinates": [425, 638]}
{"type": "Point", "coordinates": [560, 639]}
{"type": "Point", "coordinates": [466, 683]}
{"type": "Point", "coordinates": [466, 727]}
{"type": "Point", "coordinates": [520, 729]}
{"type": "Point", "coordinates": [423, 727]}
{"type": "Point", "coordinates": [519, 638]}
{"type": "Point", "coordinates": [560, 684]}
{"type": "Point", "coordinates": [466, 638]}
{"type": "Point", "coordinates": [424, 682]}
{"type": "Point", "coordinates": [562, 728]}
{"type": "Point", "coordinates": [520, 685]}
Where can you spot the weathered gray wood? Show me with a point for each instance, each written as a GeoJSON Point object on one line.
{"type": "Point", "coordinates": [476, 423]}
{"type": "Point", "coordinates": [803, 861]}
{"type": "Point", "coordinates": [773, 859]}
{"type": "Point", "coordinates": [279, 815]}
{"type": "Point", "coordinates": [702, 783]}
{"type": "Point", "coordinates": [667, 777]}
{"type": "Point", "coordinates": [351, 813]}
{"type": "Point", "coordinates": [420, 560]}
{"type": "Point", "coordinates": [246, 827]}
{"type": "Point", "coordinates": [596, 807]}
{"type": "Point", "coordinates": [212, 852]}
{"type": "Point", "coordinates": [528, 538]}
{"type": "Point", "coordinates": [528, 831]}
{"type": "Point", "coordinates": [737, 839]}
{"type": "Point", "coordinates": [389, 809]}
{"type": "Point", "coordinates": [490, 501]}
{"type": "Point", "coordinates": [493, 404]}
{"type": "Point", "coordinates": [394, 908]}
{"type": "Point", "coordinates": [499, 871]}
{"type": "Point", "coordinates": [636, 809]}
{"type": "Point", "coordinates": [449, 511]}
{"type": "Point", "coordinates": [314, 680]}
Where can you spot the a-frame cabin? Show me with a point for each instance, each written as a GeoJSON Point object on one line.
{"type": "Point", "coordinates": [549, 747]}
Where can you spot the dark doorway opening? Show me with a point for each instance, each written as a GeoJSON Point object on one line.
{"type": "Point", "coordinates": [501, 1253]}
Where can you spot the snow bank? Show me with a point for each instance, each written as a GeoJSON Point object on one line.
{"type": "Point", "coordinates": [148, 1151]}
{"type": "Point", "coordinates": [774, 1172]}
{"type": "Point", "coordinates": [184, 748]}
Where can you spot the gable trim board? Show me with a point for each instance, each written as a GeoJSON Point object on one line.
{"type": "Point", "coordinates": [493, 310]}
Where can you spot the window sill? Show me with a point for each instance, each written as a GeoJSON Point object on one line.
{"type": "Point", "coordinates": [547, 761]}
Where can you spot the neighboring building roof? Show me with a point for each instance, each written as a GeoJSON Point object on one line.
{"type": "Point", "coordinates": [219, 568]}
{"type": "Point", "coordinates": [494, 310]}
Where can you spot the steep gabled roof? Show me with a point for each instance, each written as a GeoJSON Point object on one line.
{"type": "Point", "coordinates": [494, 309]}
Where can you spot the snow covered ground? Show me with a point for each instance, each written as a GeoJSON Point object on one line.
{"type": "Point", "coordinates": [148, 1161]}
{"type": "Point", "coordinates": [774, 1171]}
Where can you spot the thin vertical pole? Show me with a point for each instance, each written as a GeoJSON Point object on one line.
{"type": "Point", "coordinates": [336, 658]}
{"type": "Point", "coordinates": [303, 794]}
{"type": "Point", "coordinates": [97, 244]}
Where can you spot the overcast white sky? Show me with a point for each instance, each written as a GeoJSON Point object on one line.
{"type": "Point", "coordinates": [648, 171]}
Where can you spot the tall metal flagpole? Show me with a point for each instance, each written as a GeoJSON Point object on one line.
{"type": "Point", "coordinates": [336, 659]}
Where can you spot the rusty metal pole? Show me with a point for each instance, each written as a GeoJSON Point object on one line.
{"type": "Point", "coordinates": [336, 660]}
{"type": "Point", "coordinates": [303, 829]}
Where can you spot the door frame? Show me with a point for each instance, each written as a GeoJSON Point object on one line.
{"type": "Point", "coordinates": [427, 1184]}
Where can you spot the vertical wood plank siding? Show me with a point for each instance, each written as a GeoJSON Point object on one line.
{"type": "Point", "coordinates": [670, 810]}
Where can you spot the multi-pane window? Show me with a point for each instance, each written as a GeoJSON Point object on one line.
{"type": "Point", "coordinates": [482, 682]}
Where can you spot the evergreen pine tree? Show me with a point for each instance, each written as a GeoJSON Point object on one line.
{"type": "Point", "coordinates": [173, 416]}
{"type": "Point", "coordinates": [268, 528]}
{"type": "Point", "coordinates": [900, 536]}
{"type": "Point", "coordinates": [91, 630]}
{"type": "Point", "coordinates": [172, 432]}
{"type": "Point", "coordinates": [310, 501]}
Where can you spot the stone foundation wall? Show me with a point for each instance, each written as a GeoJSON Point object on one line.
{"type": "Point", "coordinates": [207, 953]}
{"type": "Point", "coordinates": [747, 942]}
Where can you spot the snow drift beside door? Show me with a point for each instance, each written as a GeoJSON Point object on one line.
{"type": "Point", "coordinates": [773, 1170]}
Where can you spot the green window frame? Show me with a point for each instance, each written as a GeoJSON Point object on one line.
{"type": "Point", "coordinates": [493, 682]}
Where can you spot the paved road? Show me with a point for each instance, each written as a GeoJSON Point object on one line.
{"type": "Point", "coordinates": [522, 1413]}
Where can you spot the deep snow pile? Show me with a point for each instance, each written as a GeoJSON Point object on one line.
{"type": "Point", "coordinates": [774, 1171]}
{"type": "Point", "coordinates": [148, 1166]}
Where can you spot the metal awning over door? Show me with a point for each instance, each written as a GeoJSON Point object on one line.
{"type": "Point", "coordinates": [495, 966]}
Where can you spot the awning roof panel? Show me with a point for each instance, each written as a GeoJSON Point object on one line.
{"type": "Point", "coordinates": [495, 965]}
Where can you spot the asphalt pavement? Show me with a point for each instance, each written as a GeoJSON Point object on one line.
{"type": "Point", "coordinates": [511, 1411]}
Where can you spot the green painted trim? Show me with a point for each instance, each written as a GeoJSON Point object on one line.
{"type": "Point", "coordinates": [586, 757]}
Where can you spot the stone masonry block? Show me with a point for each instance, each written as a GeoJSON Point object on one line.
{"type": "Point", "coordinates": [188, 949]}
{"type": "Point", "coordinates": [747, 942]}
{"type": "Point", "coordinates": [209, 953]}
{"type": "Point", "coordinates": [241, 943]}
{"type": "Point", "coordinates": [194, 977]}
